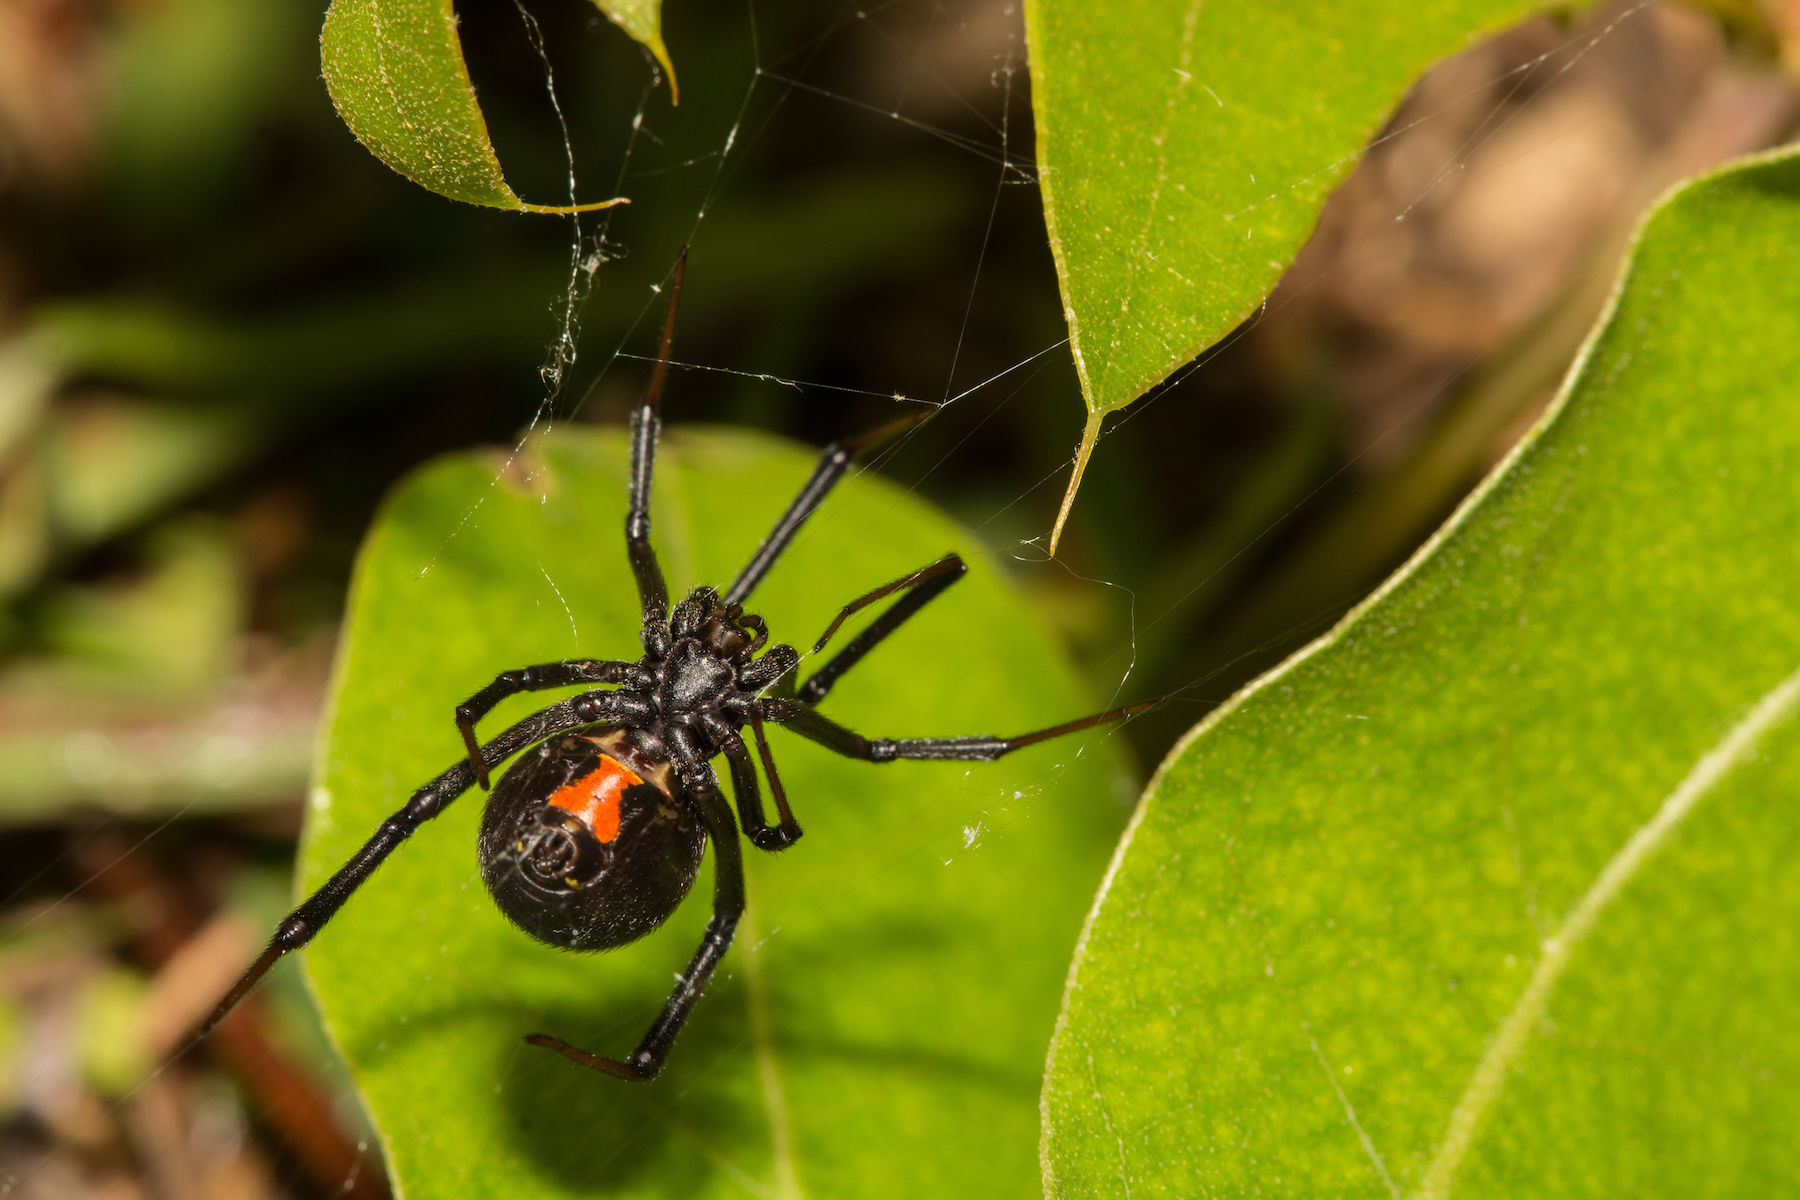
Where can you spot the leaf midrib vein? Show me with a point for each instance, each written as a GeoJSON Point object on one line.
{"type": "Point", "coordinates": [1510, 1040]}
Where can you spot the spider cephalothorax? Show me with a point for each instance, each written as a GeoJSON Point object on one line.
{"type": "Point", "coordinates": [700, 668]}
{"type": "Point", "coordinates": [595, 833]}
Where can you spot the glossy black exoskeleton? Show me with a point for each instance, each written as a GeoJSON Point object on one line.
{"type": "Point", "coordinates": [607, 865]}
{"type": "Point", "coordinates": [593, 837]}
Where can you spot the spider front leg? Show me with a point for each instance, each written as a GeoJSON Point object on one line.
{"type": "Point", "coordinates": [833, 463]}
{"type": "Point", "coordinates": [305, 922]}
{"type": "Point", "coordinates": [534, 679]}
{"type": "Point", "coordinates": [921, 588]}
{"type": "Point", "coordinates": [702, 787]}
{"type": "Point", "coordinates": [646, 428]}
{"type": "Point", "coordinates": [815, 726]}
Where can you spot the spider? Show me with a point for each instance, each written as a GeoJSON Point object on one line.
{"type": "Point", "coordinates": [592, 839]}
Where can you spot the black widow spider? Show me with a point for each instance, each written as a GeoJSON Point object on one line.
{"type": "Point", "coordinates": [591, 841]}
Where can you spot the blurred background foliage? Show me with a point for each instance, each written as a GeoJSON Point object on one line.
{"type": "Point", "coordinates": [226, 330]}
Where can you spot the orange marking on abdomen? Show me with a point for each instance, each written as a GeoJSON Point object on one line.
{"type": "Point", "coordinates": [594, 798]}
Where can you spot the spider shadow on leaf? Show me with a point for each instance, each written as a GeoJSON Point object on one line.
{"type": "Point", "coordinates": [593, 1135]}
{"type": "Point", "coordinates": [598, 1135]}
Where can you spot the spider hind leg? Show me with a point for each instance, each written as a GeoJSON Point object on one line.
{"type": "Point", "coordinates": [701, 786]}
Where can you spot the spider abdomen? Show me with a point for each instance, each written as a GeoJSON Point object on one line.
{"type": "Point", "coordinates": [586, 846]}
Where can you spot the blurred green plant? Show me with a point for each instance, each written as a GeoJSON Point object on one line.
{"type": "Point", "coordinates": [883, 1014]}
{"type": "Point", "coordinates": [1493, 889]}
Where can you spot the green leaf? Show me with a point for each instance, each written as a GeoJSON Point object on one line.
{"type": "Point", "coordinates": [884, 1013]}
{"type": "Point", "coordinates": [1185, 150]}
{"type": "Point", "coordinates": [395, 70]}
{"type": "Point", "coordinates": [642, 19]}
{"type": "Point", "coordinates": [1494, 889]}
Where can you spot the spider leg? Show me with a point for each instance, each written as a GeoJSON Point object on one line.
{"type": "Point", "coordinates": [790, 828]}
{"type": "Point", "coordinates": [921, 587]}
{"type": "Point", "coordinates": [304, 923]}
{"type": "Point", "coordinates": [756, 826]}
{"type": "Point", "coordinates": [811, 724]}
{"type": "Point", "coordinates": [646, 426]}
{"type": "Point", "coordinates": [832, 465]}
{"type": "Point", "coordinates": [532, 679]}
{"type": "Point", "coordinates": [646, 1062]}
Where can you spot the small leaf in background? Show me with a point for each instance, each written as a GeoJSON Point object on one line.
{"type": "Point", "coordinates": [1494, 890]}
{"type": "Point", "coordinates": [174, 628]}
{"type": "Point", "coordinates": [113, 457]}
{"type": "Point", "coordinates": [109, 1015]}
{"type": "Point", "coordinates": [880, 1024]}
{"type": "Point", "coordinates": [395, 71]}
{"type": "Point", "coordinates": [642, 19]}
{"type": "Point", "coordinates": [1185, 150]}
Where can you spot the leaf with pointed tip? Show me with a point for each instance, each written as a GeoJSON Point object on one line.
{"type": "Point", "coordinates": [642, 19]}
{"type": "Point", "coordinates": [395, 71]}
{"type": "Point", "coordinates": [879, 1026]}
{"type": "Point", "coordinates": [1494, 889]}
{"type": "Point", "coordinates": [1185, 150]}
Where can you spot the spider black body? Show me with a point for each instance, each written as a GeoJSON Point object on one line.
{"type": "Point", "coordinates": [595, 834]}
{"type": "Point", "coordinates": [584, 844]}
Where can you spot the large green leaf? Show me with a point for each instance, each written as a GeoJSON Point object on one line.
{"type": "Point", "coordinates": [395, 71]}
{"type": "Point", "coordinates": [1495, 889]}
{"type": "Point", "coordinates": [884, 1015]}
{"type": "Point", "coordinates": [1185, 149]}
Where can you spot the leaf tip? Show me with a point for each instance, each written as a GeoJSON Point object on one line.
{"type": "Point", "coordinates": [564, 210]}
{"type": "Point", "coordinates": [662, 56]}
{"type": "Point", "coordinates": [1089, 436]}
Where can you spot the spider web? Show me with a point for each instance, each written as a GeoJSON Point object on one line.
{"type": "Point", "coordinates": [775, 82]}
{"type": "Point", "coordinates": [764, 102]}
{"type": "Point", "coordinates": [575, 375]}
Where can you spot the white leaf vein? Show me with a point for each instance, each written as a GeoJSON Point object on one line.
{"type": "Point", "coordinates": [1484, 1085]}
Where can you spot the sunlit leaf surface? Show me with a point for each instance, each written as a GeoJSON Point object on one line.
{"type": "Point", "coordinates": [1430, 911]}
{"type": "Point", "coordinates": [880, 1025]}
{"type": "Point", "coordinates": [1185, 149]}
{"type": "Point", "coordinates": [395, 71]}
